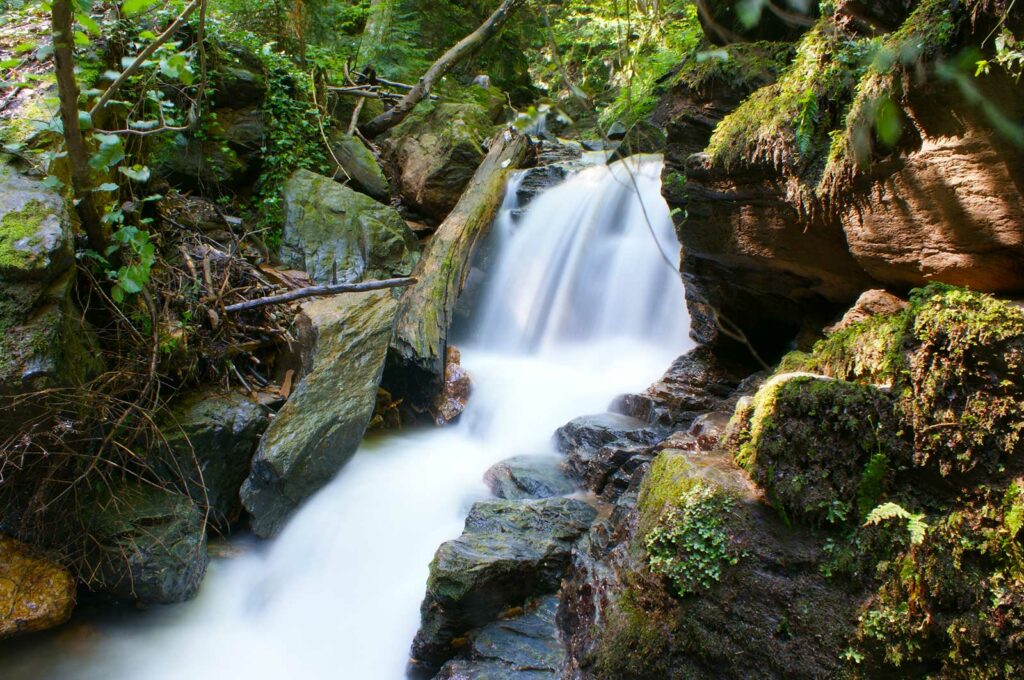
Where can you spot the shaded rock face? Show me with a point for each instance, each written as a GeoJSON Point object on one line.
{"type": "Point", "coordinates": [217, 432]}
{"type": "Point", "coordinates": [522, 648]}
{"type": "Point", "coordinates": [150, 544]}
{"type": "Point", "coordinates": [870, 303]}
{"type": "Point", "coordinates": [522, 477]}
{"type": "Point", "coordinates": [643, 137]}
{"type": "Point", "coordinates": [358, 165]}
{"type": "Point", "coordinates": [43, 340]}
{"type": "Point", "coordinates": [435, 154]}
{"type": "Point", "coordinates": [331, 230]}
{"type": "Point", "coordinates": [35, 593]}
{"type": "Point", "coordinates": [509, 551]}
{"type": "Point", "coordinates": [321, 425]}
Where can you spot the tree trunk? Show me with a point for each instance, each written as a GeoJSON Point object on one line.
{"type": "Point", "coordinates": [464, 49]}
{"type": "Point", "coordinates": [378, 21]}
{"type": "Point", "coordinates": [78, 157]}
{"type": "Point", "coordinates": [416, 358]}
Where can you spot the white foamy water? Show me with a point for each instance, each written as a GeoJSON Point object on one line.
{"type": "Point", "coordinates": [580, 306]}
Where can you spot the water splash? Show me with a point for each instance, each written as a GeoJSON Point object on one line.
{"type": "Point", "coordinates": [579, 307]}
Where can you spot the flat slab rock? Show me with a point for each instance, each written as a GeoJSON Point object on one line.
{"type": "Point", "coordinates": [523, 648]}
{"type": "Point", "coordinates": [509, 552]}
{"type": "Point", "coordinates": [536, 476]}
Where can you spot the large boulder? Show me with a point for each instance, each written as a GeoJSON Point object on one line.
{"type": "Point", "coordinates": [321, 425]}
{"type": "Point", "coordinates": [331, 230]}
{"type": "Point", "coordinates": [146, 543]}
{"type": "Point", "coordinates": [436, 152]}
{"type": "Point", "coordinates": [510, 551]}
{"type": "Point", "coordinates": [597, 446]}
{"type": "Point", "coordinates": [357, 164]}
{"type": "Point", "coordinates": [35, 593]}
{"type": "Point", "coordinates": [210, 437]}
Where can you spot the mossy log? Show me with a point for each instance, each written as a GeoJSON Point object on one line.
{"type": "Point", "coordinates": [416, 361]}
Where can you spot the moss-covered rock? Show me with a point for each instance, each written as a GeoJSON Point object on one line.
{"type": "Point", "coordinates": [821, 448]}
{"type": "Point", "coordinates": [332, 231]}
{"type": "Point", "coordinates": [35, 593]}
{"type": "Point", "coordinates": [35, 228]}
{"type": "Point", "coordinates": [435, 152]}
{"type": "Point", "coordinates": [146, 543]}
{"type": "Point", "coordinates": [357, 164]}
{"type": "Point", "coordinates": [209, 438]}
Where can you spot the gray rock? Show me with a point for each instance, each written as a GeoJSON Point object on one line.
{"type": "Point", "coordinates": [321, 425]}
{"type": "Point", "coordinates": [35, 229]}
{"type": "Point", "coordinates": [528, 477]}
{"type": "Point", "coordinates": [523, 648]}
{"type": "Point", "coordinates": [510, 551]}
{"type": "Point", "coordinates": [330, 228]}
{"type": "Point", "coordinates": [150, 544]}
{"type": "Point", "coordinates": [360, 166]}
{"type": "Point", "coordinates": [199, 163]}
{"type": "Point", "coordinates": [436, 152]}
{"type": "Point", "coordinates": [597, 446]}
{"type": "Point", "coordinates": [222, 430]}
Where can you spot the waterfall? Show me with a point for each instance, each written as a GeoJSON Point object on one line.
{"type": "Point", "coordinates": [579, 305]}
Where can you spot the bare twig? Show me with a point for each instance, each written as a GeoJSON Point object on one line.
{"type": "Point", "coordinates": [313, 291]}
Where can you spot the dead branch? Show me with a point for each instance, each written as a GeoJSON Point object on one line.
{"type": "Point", "coordinates": [313, 291]}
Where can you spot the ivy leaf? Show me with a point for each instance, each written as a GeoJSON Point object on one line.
{"type": "Point", "coordinates": [53, 182]}
{"type": "Point", "coordinates": [88, 23]}
{"type": "Point", "coordinates": [85, 120]}
{"type": "Point", "coordinates": [117, 294]}
{"type": "Point", "coordinates": [106, 187]}
{"type": "Point", "coordinates": [147, 35]}
{"type": "Point", "coordinates": [136, 173]}
{"type": "Point", "coordinates": [110, 153]}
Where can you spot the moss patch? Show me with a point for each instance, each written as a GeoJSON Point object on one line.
{"type": "Point", "coordinates": [19, 234]}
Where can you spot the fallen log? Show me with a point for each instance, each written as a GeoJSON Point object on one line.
{"type": "Point", "coordinates": [314, 291]}
{"type": "Point", "coordinates": [416, 358]}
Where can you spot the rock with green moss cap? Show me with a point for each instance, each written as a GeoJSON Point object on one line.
{"type": "Point", "coordinates": [148, 544]}
{"type": "Point", "coordinates": [510, 551]}
{"type": "Point", "coordinates": [436, 151]}
{"type": "Point", "coordinates": [332, 231]}
{"type": "Point", "coordinates": [319, 428]}
{"type": "Point", "coordinates": [357, 164]}
{"type": "Point", "coordinates": [209, 438]}
{"type": "Point", "coordinates": [35, 229]}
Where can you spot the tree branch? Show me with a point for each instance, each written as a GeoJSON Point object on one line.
{"type": "Point", "coordinates": [313, 291]}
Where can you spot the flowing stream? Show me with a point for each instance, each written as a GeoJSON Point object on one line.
{"type": "Point", "coordinates": [579, 306]}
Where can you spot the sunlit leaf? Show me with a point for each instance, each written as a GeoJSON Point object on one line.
{"type": "Point", "coordinates": [106, 187]}
{"type": "Point", "coordinates": [110, 153]}
{"type": "Point", "coordinates": [137, 173]}
{"type": "Point", "coordinates": [135, 6]}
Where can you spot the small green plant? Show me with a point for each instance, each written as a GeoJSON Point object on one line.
{"type": "Point", "coordinates": [916, 526]}
{"type": "Point", "coordinates": [690, 544]}
{"type": "Point", "coordinates": [138, 254]}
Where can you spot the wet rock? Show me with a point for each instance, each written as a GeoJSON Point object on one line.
{"type": "Point", "coordinates": [436, 152]}
{"type": "Point", "coordinates": [510, 551]}
{"type": "Point", "coordinates": [616, 131]}
{"type": "Point", "coordinates": [333, 231]}
{"type": "Point", "coordinates": [537, 180]}
{"type": "Point", "coordinates": [238, 78]}
{"type": "Point", "coordinates": [321, 425]}
{"type": "Point", "coordinates": [596, 446]}
{"type": "Point", "coordinates": [358, 164]}
{"type": "Point", "coordinates": [218, 433]}
{"type": "Point", "coordinates": [147, 543]}
{"type": "Point", "coordinates": [451, 402]}
{"type": "Point", "coordinates": [528, 477]}
{"type": "Point", "coordinates": [870, 303]}
{"type": "Point", "coordinates": [699, 381]}
{"type": "Point", "coordinates": [522, 648]}
{"type": "Point", "coordinates": [643, 137]}
{"type": "Point", "coordinates": [35, 593]}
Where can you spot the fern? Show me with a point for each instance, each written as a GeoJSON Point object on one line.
{"type": "Point", "coordinates": [916, 525]}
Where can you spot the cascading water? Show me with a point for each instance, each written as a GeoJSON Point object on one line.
{"type": "Point", "coordinates": [579, 307]}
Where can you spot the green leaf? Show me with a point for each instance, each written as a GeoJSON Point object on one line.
{"type": "Point", "coordinates": [81, 39]}
{"type": "Point", "coordinates": [10, 63]}
{"type": "Point", "coordinates": [130, 7]}
{"type": "Point", "coordinates": [887, 122]}
{"type": "Point", "coordinates": [24, 47]}
{"type": "Point", "coordinates": [88, 23]}
{"type": "Point", "coordinates": [110, 153]}
{"type": "Point", "coordinates": [136, 173]}
{"type": "Point", "coordinates": [85, 120]}
{"type": "Point", "coordinates": [53, 182]}
{"type": "Point", "coordinates": [106, 187]}
{"type": "Point", "coordinates": [117, 293]}
{"type": "Point", "coordinates": [147, 35]}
